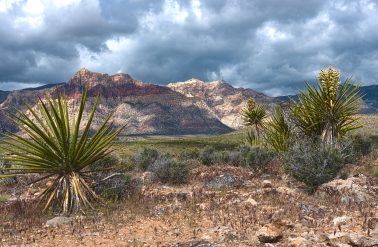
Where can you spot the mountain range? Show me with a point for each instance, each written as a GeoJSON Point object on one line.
{"type": "Point", "coordinates": [189, 107]}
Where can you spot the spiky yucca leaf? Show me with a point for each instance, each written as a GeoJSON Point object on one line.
{"type": "Point", "coordinates": [278, 132]}
{"type": "Point", "coordinates": [55, 148]}
{"type": "Point", "coordinates": [254, 115]}
{"type": "Point", "coordinates": [328, 110]}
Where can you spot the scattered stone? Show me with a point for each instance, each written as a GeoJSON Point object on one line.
{"type": "Point", "coordinates": [343, 220]}
{"type": "Point", "coordinates": [57, 221]}
{"type": "Point", "coordinates": [225, 181]}
{"type": "Point", "coordinates": [297, 242]}
{"type": "Point", "coordinates": [312, 210]}
{"type": "Point", "coordinates": [193, 243]}
{"type": "Point", "coordinates": [353, 239]}
{"type": "Point", "coordinates": [267, 184]}
{"type": "Point", "coordinates": [357, 240]}
{"type": "Point", "coordinates": [350, 190]}
{"type": "Point", "coordinates": [269, 234]}
{"type": "Point", "coordinates": [224, 233]}
{"type": "Point", "coordinates": [250, 202]}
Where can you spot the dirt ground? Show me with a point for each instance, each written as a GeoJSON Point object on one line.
{"type": "Point", "coordinates": [269, 205]}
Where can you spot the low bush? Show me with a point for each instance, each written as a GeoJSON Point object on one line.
{"type": "Point", "coordinates": [354, 147]}
{"type": "Point", "coordinates": [192, 153]}
{"type": "Point", "coordinates": [375, 171]}
{"type": "Point", "coordinates": [257, 158]}
{"type": "Point", "coordinates": [109, 161]}
{"type": "Point", "coordinates": [3, 198]}
{"type": "Point", "coordinates": [207, 155]}
{"type": "Point", "coordinates": [313, 163]}
{"type": "Point", "coordinates": [254, 157]}
{"type": "Point", "coordinates": [114, 187]}
{"type": "Point", "coordinates": [169, 170]}
{"type": "Point", "coordinates": [144, 158]}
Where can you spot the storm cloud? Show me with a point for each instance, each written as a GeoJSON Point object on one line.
{"type": "Point", "coordinates": [271, 46]}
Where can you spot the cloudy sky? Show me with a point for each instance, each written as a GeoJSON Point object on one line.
{"type": "Point", "coordinates": [272, 46]}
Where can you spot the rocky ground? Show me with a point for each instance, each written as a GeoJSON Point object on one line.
{"type": "Point", "coordinates": [221, 206]}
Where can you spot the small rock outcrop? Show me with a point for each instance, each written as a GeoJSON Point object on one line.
{"type": "Point", "coordinates": [269, 234]}
{"type": "Point", "coordinates": [351, 190]}
{"type": "Point", "coordinates": [57, 221]}
{"type": "Point", "coordinates": [224, 181]}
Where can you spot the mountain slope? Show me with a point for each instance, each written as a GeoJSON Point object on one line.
{"type": "Point", "coordinates": [223, 100]}
{"type": "Point", "coordinates": [142, 108]}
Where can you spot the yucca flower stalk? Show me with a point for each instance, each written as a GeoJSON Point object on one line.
{"type": "Point", "coordinates": [329, 110]}
{"type": "Point", "coordinates": [56, 148]}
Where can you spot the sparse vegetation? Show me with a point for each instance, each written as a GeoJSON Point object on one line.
{"type": "Point", "coordinates": [169, 170]}
{"type": "Point", "coordinates": [279, 133]}
{"type": "Point", "coordinates": [3, 198]}
{"type": "Point", "coordinates": [329, 110]}
{"type": "Point", "coordinates": [186, 188]}
{"type": "Point", "coordinates": [145, 157]}
{"type": "Point", "coordinates": [55, 149]}
{"type": "Point", "coordinates": [313, 162]}
{"type": "Point", "coordinates": [254, 116]}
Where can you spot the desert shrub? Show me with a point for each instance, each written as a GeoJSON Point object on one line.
{"type": "Point", "coordinates": [110, 161]}
{"type": "Point", "coordinates": [354, 147]}
{"type": "Point", "coordinates": [313, 162]}
{"type": "Point", "coordinates": [187, 154]}
{"type": "Point", "coordinates": [258, 157]}
{"type": "Point", "coordinates": [362, 145]}
{"type": "Point", "coordinates": [375, 171]}
{"type": "Point", "coordinates": [207, 155]}
{"type": "Point", "coordinates": [114, 187]}
{"type": "Point", "coordinates": [145, 157]}
{"type": "Point", "coordinates": [3, 198]}
{"type": "Point", "coordinates": [169, 170]}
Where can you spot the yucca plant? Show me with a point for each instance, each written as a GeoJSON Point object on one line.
{"type": "Point", "coordinates": [254, 116]}
{"type": "Point", "coordinates": [329, 110]}
{"type": "Point", "coordinates": [278, 132]}
{"type": "Point", "coordinates": [55, 147]}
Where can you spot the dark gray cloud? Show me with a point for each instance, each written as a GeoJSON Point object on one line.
{"type": "Point", "coordinates": [272, 46]}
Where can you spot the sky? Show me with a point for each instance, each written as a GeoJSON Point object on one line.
{"type": "Point", "coordinates": [268, 45]}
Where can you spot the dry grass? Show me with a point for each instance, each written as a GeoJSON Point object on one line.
{"type": "Point", "coordinates": [164, 216]}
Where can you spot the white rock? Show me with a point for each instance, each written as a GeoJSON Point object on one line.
{"type": "Point", "coordinates": [339, 221]}
{"type": "Point", "coordinates": [250, 202]}
{"type": "Point", "coordinates": [57, 221]}
{"type": "Point", "coordinates": [267, 184]}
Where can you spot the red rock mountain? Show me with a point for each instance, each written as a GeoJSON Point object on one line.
{"type": "Point", "coordinates": [191, 107]}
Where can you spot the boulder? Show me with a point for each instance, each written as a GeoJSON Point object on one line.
{"type": "Point", "coordinates": [267, 184]}
{"type": "Point", "coordinates": [224, 181]}
{"type": "Point", "coordinates": [351, 190]}
{"type": "Point", "coordinates": [250, 202]}
{"type": "Point", "coordinates": [269, 234]}
{"type": "Point", "coordinates": [57, 221]}
{"type": "Point", "coordinates": [340, 221]}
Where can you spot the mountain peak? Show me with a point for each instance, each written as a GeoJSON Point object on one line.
{"type": "Point", "coordinates": [89, 78]}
